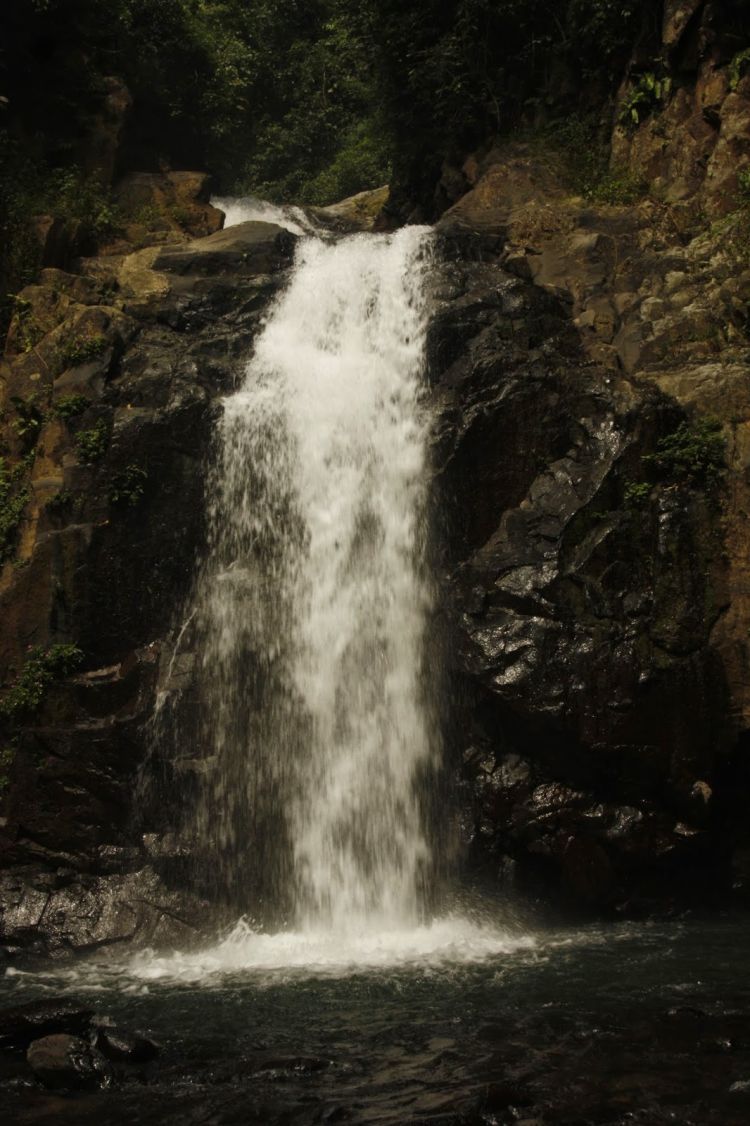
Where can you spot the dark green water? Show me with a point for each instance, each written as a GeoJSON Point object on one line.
{"type": "Point", "coordinates": [646, 1023]}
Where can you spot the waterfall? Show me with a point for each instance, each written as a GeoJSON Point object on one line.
{"type": "Point", "coordinates": [313, 600]}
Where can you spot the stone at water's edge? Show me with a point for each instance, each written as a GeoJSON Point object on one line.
{"type": "Point", "coordinates": [252, 248]}
{"type": "Point", "coordinates": [124, 1047]}
{"type": "Point", "coordinates": [69, 1046]}
{"type": "Point", "coordinates": [68, 1061]}
{"type": "Point", "coordinates": [360, 212]}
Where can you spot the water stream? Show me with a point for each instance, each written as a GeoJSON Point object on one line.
{"type": "Point", "coordinates": [313, 598]}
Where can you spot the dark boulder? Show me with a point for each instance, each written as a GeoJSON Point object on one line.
{"type": "Point", "coordinates": [124, 1047]}
{"type": "Point", "coordinates": [68, 1061]}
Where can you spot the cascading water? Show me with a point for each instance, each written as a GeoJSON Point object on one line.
{"type": "Point", "coordinates": [312, 603]}
{"type": "Point", "coordinates": [311, 698]}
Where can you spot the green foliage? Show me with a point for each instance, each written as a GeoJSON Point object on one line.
{"type": "Point", "coordinates": [92, 444]}
{"type": "Point", "coordinates": [20, 252]}
{"type": "Point", "coordinates": [28, 421]}
{"type": "Point", "coordinates": [649, 94]}
{"type": "Point", "coordinates": [76, 352]}
{"type": "Point", "coordinates": [694, 453]}
{"type": "Point", "coordinates": [149, 216]}
{"type": "Point", "coordinates": [60, 501]}
{"type": "Point", "coordinates": [274, 96]}
{"type": "Point", "coordinates": [128, 486]}
{"type": "Point", "coordinates": [30, 187]}
{"type": "Point", "coordinates": [586, 163]}
{"type": "Point", "coordinates": [303, 100]}
{"type": "Point", "coordinates": [28, 332]}
{"type": "Point", "coordinates": [452, 72]}
{"type": "Point", "coordinates": [733, 230]}
{"type": "Point", "coordinates": [738, 68]}
{"type": "Point", "coordinates": [636, 494]}
{"type": "Point", "coordinates": [71, 195]}
{"type": "Point", "coordinates": [743, 184]}
{"type": "Point", "coordinates": [14, 494]}
{"type": "Point", "coordinates": [619, 189]}
{"type": "Point", "coordinates": [70, 406]}
{"type": "Point", "coordinates": [180, 215]}
{"type": "Point", "coordinates": [315, 134]}
{"type": "Point", "coordinates": [42, 668]}
{"type": "Point", "coordinates": [359, 164]}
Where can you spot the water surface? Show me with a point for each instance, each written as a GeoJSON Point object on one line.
{"type": "Point", "coordinates": [642, 1022]}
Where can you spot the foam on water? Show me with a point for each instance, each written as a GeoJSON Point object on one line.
{"type": "Point", "coordinates": [448, 941]}
{"type": "Point", "coordinates": [312, 604]}
{"type": "Point", "coordinates": [318, 676]}
{"type": "Point", "coordinates": [244, 209]}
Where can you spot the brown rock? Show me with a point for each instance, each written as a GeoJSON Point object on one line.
{"type": "Point", "coordinates": [356, 213]}
{"type": "Point", "coordinates": [68, 1061]}
{"type": "Point", "coordinates": [677, 16]}
{"type": "Point", "coordinates": [249, 248]}
{"type": "Point", "coordinates": [732, 153]}
{"type": "Point", "coordinates": [160, 205]}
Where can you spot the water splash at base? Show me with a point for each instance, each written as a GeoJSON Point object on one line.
{"type": "Point", "coordinates": [448, 941]}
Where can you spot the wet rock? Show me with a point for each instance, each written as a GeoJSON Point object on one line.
{"type": "Point", "coordinates": [247, 248]}
{"type": "Point", "coordinates": [68, 1062]}
{"type": "Point", "coordinates": [106, 550]}
{"type": "Point", "coordinates": [355, 213]}
{"type": "Point", "coordinates": [87, 911]}
{"type": "Point", "coordinates": [21, 1025]}
{"type": "Point", "coordinates": [592, 647]}
{"type": "Point", "coordinates": [124, 1047]}
{"type": "Point", "coordinates": [587, 872]}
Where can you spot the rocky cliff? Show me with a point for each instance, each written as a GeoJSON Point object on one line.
{"type": "Point", "coordinates": [108, 381]}
{"type": "Point", "coordinates": [589, 367]}
{"type": "Point", "coordinates": [592, 370]}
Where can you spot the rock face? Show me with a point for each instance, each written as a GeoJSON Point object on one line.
{"type": "Point", "coordinates": [600, 642]}
{"type": "Point", "coordinates": [600, 592]}
{"type": "Point", "coordinates": [692, 147]}
{"type": "Point", "coordinates": [109, 381]}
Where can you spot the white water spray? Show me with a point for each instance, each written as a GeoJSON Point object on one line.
{"type": "Point", "coordinates": [245, 209]}
{"type": "Point", "coordinates": [311, 612]}
{"type": "Point", "coordinates": [314, 599]}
